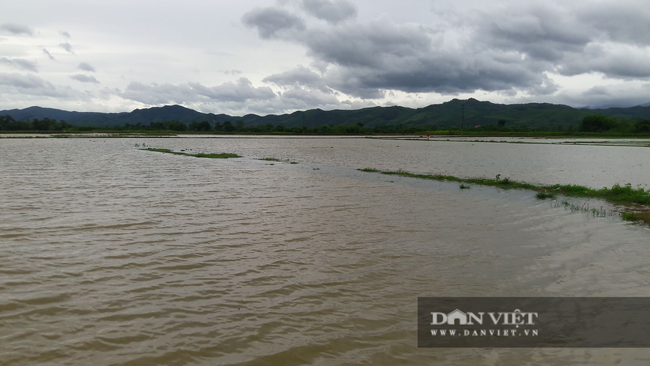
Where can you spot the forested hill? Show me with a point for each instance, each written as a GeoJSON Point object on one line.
{"type": "Point", "coordinates": [532, 115]}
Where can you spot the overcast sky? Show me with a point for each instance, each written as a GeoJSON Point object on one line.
{"type": "Point", "coordinates": [277, 56]}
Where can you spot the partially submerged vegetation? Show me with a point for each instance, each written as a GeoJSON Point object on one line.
{"type": "Point", "coordinates": [636, 216]}
{"type": "Point", "coordinates": [617, 194]}
{"type": "Point", "coordinates": [199, 155]}
{"type": "Point", "coordinates": [279, 160]}
{"type": "Point", "coordinates": [544, 195]}
{"type": "Point", "coordinates": [586, 209]}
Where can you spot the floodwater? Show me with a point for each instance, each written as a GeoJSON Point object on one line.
{"type": "Point", "coordinates": [110, 255]}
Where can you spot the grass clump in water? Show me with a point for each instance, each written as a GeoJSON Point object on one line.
{"type": "Point", "coordinates": [279, 160]}
{"type": "Point", "coordinates": [215, 156]}
{"type": "Point", "coordinates": [200, 155]}
{"type": "Point", "coordinates": [462, 186]}
{"type": "Point", "coordinates": [544, 195]}
{"type": "Point", "coordinates": [636, 216]}
{"type": "Point", "coordinates": [586, 209]}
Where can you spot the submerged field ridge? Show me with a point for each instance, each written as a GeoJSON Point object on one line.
{"type": "Point", "coordinates": [617, 194]}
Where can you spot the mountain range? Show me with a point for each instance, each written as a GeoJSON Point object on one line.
{"type": "Point", "coordinates": [452, 113]}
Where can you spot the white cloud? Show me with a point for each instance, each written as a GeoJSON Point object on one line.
{"type": "Point", "coordinates": [86, 67]}
{"type": "Point", "coordinates": [16, 29]}
{"type": "Point", "coordinates": [84, 78]}
{"type": "Point", "coordinates": [66, 46]}
{"type": "Point", "coordinates": [19, 63]}
{"type": "Point", "coordinates": [31, 85]}
{"type": "Point", "coordinates": [49, 55]}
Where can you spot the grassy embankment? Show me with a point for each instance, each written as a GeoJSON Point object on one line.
{"type": "Point", "coordinates": [200, 155]}
{"type": "Point", "coordinates": [617, 194]}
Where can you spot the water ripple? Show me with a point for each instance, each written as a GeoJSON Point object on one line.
{"type": "Point", "coordinates": [109, 256]}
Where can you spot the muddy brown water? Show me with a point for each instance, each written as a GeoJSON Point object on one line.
{"type": "Point", "coordinates": [114, 256]}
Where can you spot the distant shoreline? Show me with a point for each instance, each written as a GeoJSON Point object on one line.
{"type": "Point", "coordinates": [435, 134]}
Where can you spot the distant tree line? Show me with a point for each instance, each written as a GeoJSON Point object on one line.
{"type": "Point", "coordinates": [240, 127]}
{"type": "Point", "coordinates": [8, 123]}
{"type": "Point", "coordinates": [610, 124]}
{"type": "Point", "coordinates": [590, 124]}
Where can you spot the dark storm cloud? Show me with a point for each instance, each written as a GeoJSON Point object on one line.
{"type": "Point", "coordinates": [606, 38]}
{"type": "Point", "coordinates": [367, 45]}
{"type": "Point", "coordinates": [84, 78]}
{"type": "Point", "coordinates": [505, 49]}
{"type": "Point", "coordinates": [17, 29]}
{"type": "Point", "coordinates": [621, 21]}
{"type": "Point", "coordinates": [330, 11]}
{"type": "Point", "coordinates": [620, 61]}
{"type": "Point", "coordinates": [19, 63]}
{"type": "Point", "coordinates": [447, 73]}
{"type": "Point", "coordinates": [86, 67]}
{"type": "Point", "coordinates": [600, 96]}
{"type": "Point", "coordinates": [272, 22]}
{"type": "Point", "coordinates": [539, 31]}
{"type": "Point", "coordinates": [380, 55]}
{"type": "Point", "coordinates": [45, 51]}
{"type": "Point", "coordinates": [66, 46]}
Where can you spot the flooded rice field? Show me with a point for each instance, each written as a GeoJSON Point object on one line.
{"type": "Point", "coordinates": [110, 255]}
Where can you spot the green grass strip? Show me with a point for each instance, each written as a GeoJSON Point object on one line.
{"type": "Point", "coordinates": [617, 194]}
{"type": "Point", "coordinates": [200, 155]}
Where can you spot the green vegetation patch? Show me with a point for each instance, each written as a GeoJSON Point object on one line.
{"type": "Point", "coordinates": [636, 216]}
{"type": "Point", "coordinates": [200, 155]}
{"type": "Point", "coordinates": [617, 194]}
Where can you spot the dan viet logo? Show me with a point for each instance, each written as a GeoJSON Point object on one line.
{"type": "Point", "coordinates": [533, 322]}
{"type": "Point", "coordinates": [500, 324]}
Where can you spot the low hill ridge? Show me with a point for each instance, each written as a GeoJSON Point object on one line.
{"type": "Point", "coordinates": [449, 113]}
